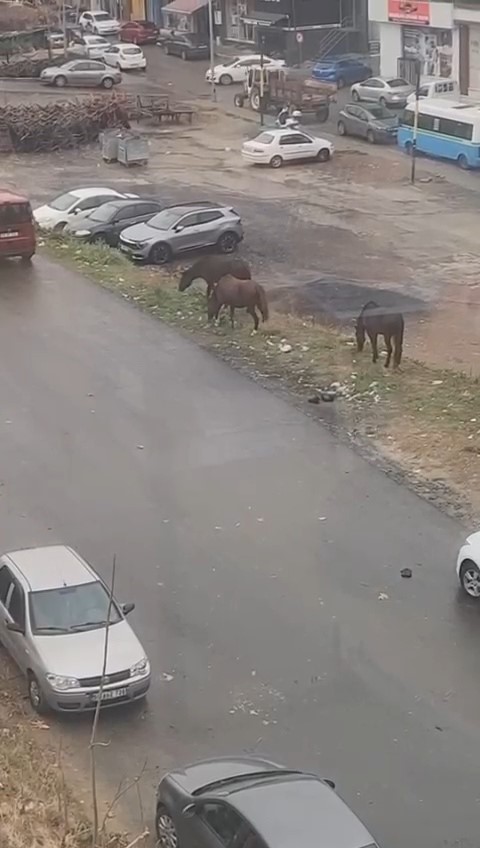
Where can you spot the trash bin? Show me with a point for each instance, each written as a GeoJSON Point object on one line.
{"type": "Point", "coordinates": [132, 150]}
{"type": "Point", "coordinates": [109, 141]}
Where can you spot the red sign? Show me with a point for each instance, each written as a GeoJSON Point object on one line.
{"type": "Point", "coordinates": [409, 11]}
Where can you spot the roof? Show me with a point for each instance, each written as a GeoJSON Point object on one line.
{"type": "Point", "coordinates": [265, 18]}
{"type": "Point", "coordinates": [91, 192]}
{"type": "Point", "coordinates": [438, 105]}
{"type": "Point", "coordinates": [7, 196]}
{"type": "Point", "coordinates": [185, 7]}
{"type": "Point", "coordinates": [291, 811]}
{"type": "Point", "coordinates": [51, 567]}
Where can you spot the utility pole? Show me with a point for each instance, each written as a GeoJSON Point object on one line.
{"type": "Point", "coordinates": [415, 119]}
{"type": "Point", "coordinates": [212, 50]}
{"type": "Point", "coordinates": [262, 88]}
{"type": "Point", "coordinates": [64, 29]}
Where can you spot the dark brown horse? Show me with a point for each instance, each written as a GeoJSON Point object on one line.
{"type": "Point", "coordinates": [212, 269]}
{"type": "Point", "coordinates": [374, 321]}
{"type": "Point", "coordinates": [238, 294]}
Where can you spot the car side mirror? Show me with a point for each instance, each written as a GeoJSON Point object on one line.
{"type": "Point", "coordinates": [75, 211]}
{"type": "Point", "coordinates": [179, 228]}
{"type": "Point", "coordinates": [329, 783]}
{"type": "Point", "coordinates": [128, 608]}
{"type": "Point", "coordinates": [189, 811]}
{"type": "Point", "coordinates": [14, 627]}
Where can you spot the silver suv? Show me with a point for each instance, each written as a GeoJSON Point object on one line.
{"type": "Point", "coordinates": [53, 611]}
{"type": "Point", "coordinates": [181, 228]}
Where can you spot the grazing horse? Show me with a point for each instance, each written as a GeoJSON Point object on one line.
{"type": "Point", "coordinates": [375, 320]}
{"type": "Point", "coordinates": [212, 269]}
{"type": "Point", "coordinates": [238, 294]}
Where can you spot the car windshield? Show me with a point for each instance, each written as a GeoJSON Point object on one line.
{"type": "Point", "coordinates": [264, 138]}
{"type": "Point", "coordinates": [380, 112]}
{"type": "Point", "coordinates": [71, 608]}
{"type": "Point", "coordinates": [97, 39]}
{"type": "Point", "coordinates": [397, 83]}
{"type": "Point", "coordinates": [102, 16]}
{"type": "Point", "coordinates": [63, 202]}
{"type": "Point", "coordinates": [196, 39]}
{"type": "Point", "coordinates": [103, 213]}
{"type": "Point", "coordinates": [129, 51]}
{"type": "Point", "coordinates": [166, 219]}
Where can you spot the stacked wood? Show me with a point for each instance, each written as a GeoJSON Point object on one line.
{"type": "Point", "coordinates": [14, 17]}
{"type": "Point", "coordinates": [28, 66]}
{"type": "Point", "coordinates": [63, 124]}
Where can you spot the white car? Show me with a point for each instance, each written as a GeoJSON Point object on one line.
{"type": "Point", "coordinates": [101, 23]}
{"type": "Point", "coordinates": [125, 57]}
{"type": "Point", "coordinates": [90, 46]}
{"type": "Point", "coordinates": [468, 566]}
{"type": "Point", "coordinates": [275, 147]}
{"type": "Point", "coordinates": [237, 69]}
{"type": "Point", "coordinates": [62, 210]}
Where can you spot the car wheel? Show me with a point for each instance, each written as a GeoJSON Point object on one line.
{"type": "Point", "coordinates": [160, 254]}
{"type": "Point", "coordinates": [60, 81]}
{"type": "Point", "coordinates": [341, 83]}
{"type": "Point", "coordinates": [118, 66]}
{"type": "Point", "coordinates": [59, 228]}
{"type": "Point", "coordinates": [227, 243]}
{"type": "Point", "coordinates": [26, 258]}
{"type": "Point", "coordinates": [323, 155]}
{"type": "Point", "coordinates": [382, 102]}
{"type": "Point", "coordinates": [341, 128]}
{"type": "Point", "coordinates": [370, 137]}
{"type": "Point", "coordinates": [107, 82]}
{"type": "Point", "coordinates": [183, 55]}
{"type": "Point", "coordinates": [167, 50]}
{"type": "Point", "coordinates": [276, 162]}
{"type": "Point", "coordinates": [225, 79]}
{"type": "Point", "coordinates": [470, 579]}
{"type": "Point", "coordinates": [463, 162]}
{"type": "Point", "coordinates": [165, 829]}
{"type": "Point", "coordinates": [36, 696]}
{"type": "Point", "coordinates": [355, 96]}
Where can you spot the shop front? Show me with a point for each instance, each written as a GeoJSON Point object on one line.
{"type": "Point", "coordinates": [189, 16]}
{"type": "Point", "coordinates": [244, 17]}
{"type": "Point", "coordinates": [467, 19]}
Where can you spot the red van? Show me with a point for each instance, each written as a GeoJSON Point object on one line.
{"type": "Point", "coordinates": [17, 231]}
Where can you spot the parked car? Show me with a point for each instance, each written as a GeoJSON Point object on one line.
{"type": "Point", "coordinates": [375, 123]}
{"type": "Point", "coordinates": [236, 70]}
{"type": "Point", "coordinates": [139, 32]}
{"type": "Point", "coordinates": [342, 71]}
{"type": "Point", "coordinates": [63, 209]}
{"type": "Point", "coordinates": [55, 40]}
{"type": "Point", "coordinates": [89, 46]}
{"type": "Point", "coordinates": [392, 91]}
{"type": "Point", "coordinates": [187, 46]}
{"type": "Point", "coordinates": [125, 57]}
{"type": "Point", "coordinates": [253, 803]}
{"type": "Point", "coordinates": [275, 147]}
{"type": "Point", "coordinates": [53, 611]}
{"type": "Point", "coordinates": [81, 72]}
{"type": "Point", "coordinates": [101, 23]}
{"type": "Point", "coordinates": [468, 566]}
{"type": "Point", "coordinates": [182, 228]}
{"type": "Point", "coordinates": [106, 222]}
{"type": "Point", "coordinates": [17, 231]}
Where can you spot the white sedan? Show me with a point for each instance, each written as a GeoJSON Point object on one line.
{"type": "Point", "coordinates": [62, 210]}
{"type": "Point", "coordinates": [468, 566]}
{"type": "Point", "coordinates": [275, 147]}
{"type": "Point", "coordinates": [125, 57]}
{"type": "Point", "coordinates": [99, 22]}
{"type": "Point", "coordinates": [237, 69]}
{"type": "Point", "coordinates": [90, 46]}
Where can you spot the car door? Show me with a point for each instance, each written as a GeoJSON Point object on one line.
{"type": "Point", "coordinates": [112, 55]}
{"type": "Point", "coordinates": [16, 614]}
{"type": "Point", "coordinates": [92, 202]}
{"type": "Point", "coordinates": [368, 90]}
{"type": "Point", "coordinates": [297, 146]}
{"type": "Point", "coordinates": [126, 217]}
{"type": "Point", "coordinates": [79, 73]}
{"type": "Point", "coordinates": [287, 146]}
{"type": "Point", "coordinates": [187, 232]}
{"type": "Point", "coordinates": [363, 119]}
{"type": "Point", "coordinates": [355, 125]}
{"type": "Point", "coordinates": [241, 67]}
{"type": "Point", "coordinates": [6, 579]}
{"type": "Point", "coordinates": [216, 825]}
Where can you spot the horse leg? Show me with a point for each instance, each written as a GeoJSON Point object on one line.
{"type": "Point", "coordinates": [397, 356]}
{"type": "Point", "coordinates": [252, 311]}
{"type": "Point", "coordinates": [373, 341]}
{"type": "Point", "coordinates": [388, 344]}
{"type": "Point", "coordinates": [232, 317]}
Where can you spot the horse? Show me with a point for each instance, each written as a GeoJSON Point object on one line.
{"type": "Point", "coordinates": [375, 320]}
{"type": "Point", "coordinates": [238, 294]}
{"type": "Point", "coordinates": [212, 269]}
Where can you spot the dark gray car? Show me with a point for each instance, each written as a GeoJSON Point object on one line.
{"type": "Point", "coordinates": [105, 223]}
{"type": "Point", "coordinates": [374, 123]}
{"type": "Point", "coordinates": [186, 45]}
{"type": "Point", "coordinates": [245, 802]}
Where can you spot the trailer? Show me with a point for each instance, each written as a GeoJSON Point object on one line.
{"type": "Point", "coordinates": [286, 86]}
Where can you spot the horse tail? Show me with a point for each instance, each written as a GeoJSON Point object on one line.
{"type": "Point", "coordinates": [262, 302]}
{"type": "Point", "coordinates": [399, 341]}
{"type": "Point", "coordinates": [243, 270]}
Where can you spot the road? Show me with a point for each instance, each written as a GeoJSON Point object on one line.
{"type": "Point", "coordinates": [263, 557]}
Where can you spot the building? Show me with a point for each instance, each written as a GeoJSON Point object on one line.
{"type": "Point", "coordinates": [409, 31]}
{"type": "Point", "coordinates": [467, 44]}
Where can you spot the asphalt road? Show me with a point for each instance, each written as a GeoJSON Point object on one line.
{"type": "Point", "coordinates": [263, 557]}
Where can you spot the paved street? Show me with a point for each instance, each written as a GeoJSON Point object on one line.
{"type": "Point", "coordinates": [263, 557]}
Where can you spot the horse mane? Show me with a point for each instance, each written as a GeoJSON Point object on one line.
{"type": "Point", "coordinates": [371, 304]}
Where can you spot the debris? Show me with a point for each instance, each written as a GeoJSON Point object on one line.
{"type": "Point", "coordinates": [383, 596]}
{"type": "Point", "coordinates": [322, 517]}
{"type": "Point", "coordinates": [437, 727]}
{"type": "Point", "coordinates": [328, 395]}
{"type": "Point", "coordinates": [437, 382]}
{"type": "Point", "coordinates": [406, 572]}
{"type": "Point", "coordinates": [314, 399]}
{"type": "Point", "coordinates": [284, 347]}
{"type": "Point", "coordinates": [140, 447]}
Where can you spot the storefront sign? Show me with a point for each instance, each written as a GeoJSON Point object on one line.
{"type": "Point", "coordinates": [409, 11]}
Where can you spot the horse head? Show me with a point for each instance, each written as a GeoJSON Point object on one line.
{"type": "Point", "coordinates": [186, 279]}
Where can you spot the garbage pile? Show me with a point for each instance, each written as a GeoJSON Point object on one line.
{"type": "Point", "coordinates": [34, 128]}
{"type": "Point", "coordinates": [27, 66]}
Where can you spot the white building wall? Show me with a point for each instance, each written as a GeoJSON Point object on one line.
{"type": "Point", "coordinates": [390, 48]}
{"type": "Point", "coordinates": [390, 33]}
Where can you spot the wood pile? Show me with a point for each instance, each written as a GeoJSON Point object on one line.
{"type": "Point", "coordinates": [27, 66]}
{"type": "Point", "coordinates": [64, 124]}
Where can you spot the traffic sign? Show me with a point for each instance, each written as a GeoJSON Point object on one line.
{"type": "Point", "coordinates": [299, 37]}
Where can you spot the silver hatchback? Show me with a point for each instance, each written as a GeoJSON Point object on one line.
{"type": "Point", "coordinates": [182, 228]}
{"type": "Point", "coordinates": [53, 612]}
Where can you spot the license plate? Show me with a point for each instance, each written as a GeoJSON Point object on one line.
{"type": "Point", "coordinates": [9, 235]}
{"type": "Point", "coordinates": [125, 248]}
{"type": "Point", "coordinates": [111, 694]}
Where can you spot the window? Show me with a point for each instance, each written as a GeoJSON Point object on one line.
{"type": "Point", "coordinates": [293, 138]}
{"type": "Point", "coordinates": [16, 605]}
{"type": "Point", "coordinates": [374, 83]}
{"type": "Point", "coordinates": [15, 213]}
{"type": "Point", "coordinates": [92, 202]}
{"type": "Point", "coordinates": [264, 138]}
{"type": "Point", "coordinates": [407, 118]}
{"type": "Point", "coordinates": [146, 209]}
{"type": "Point", "coordinates": [251, 841]}
{"type": "Point", "coordinates": [456, 129]}
{"type": "Point", "coordinates": [208, 217]}
{"type": "Point", "coordinates": [189, 220]}
{"type": "Point", "coordinates": [303, 139]}
{"type": "Point", "coordinates": [425, 122]}
{"type": "Point", "coordinates": [62, 203]}
{"type": "Point", "coordinates": [397, 83]}
{"type": "Point", "coordinates": [224, 821]}
{"type": "Point", "coordinates": [128, 212]}
{"type": "Point", "coordinates": [5, 580]}
{"type": "Point", "coordinates": [113, 50]}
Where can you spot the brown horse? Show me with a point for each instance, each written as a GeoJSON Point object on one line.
{"type": "Point", "coordinates": [212, 269]}
{"type": "Point", "coordinates": [375, 320]}
{"type": "Point", "coordinates": [238, 294]}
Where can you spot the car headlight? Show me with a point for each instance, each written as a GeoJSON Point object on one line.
{"type": "Point", "coordinates": [82, 232]}
{"type": "Point", "coordinates": [140, 669]}
{"type": "Point", "coordinates": [57, 681]}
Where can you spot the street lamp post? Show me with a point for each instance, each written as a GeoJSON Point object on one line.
{"type": "Point", "coordinates": [262, 85]}
{"type": "Point", "coordinates": [212, 50]}
{"type": "Point", "coordinates": [415, 119]}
